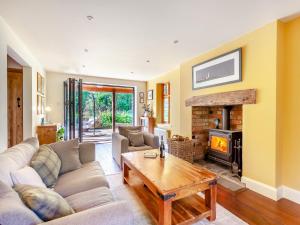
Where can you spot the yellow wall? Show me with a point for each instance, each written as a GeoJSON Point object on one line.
{"type": "Point", "coordinates": [290, 105]}
{"type": "Point", "coordinates": [271, 64]}
{"type": "Point", "coordinates": [173, 78]}
{"type": "Point", "coordinates": [259, 120]}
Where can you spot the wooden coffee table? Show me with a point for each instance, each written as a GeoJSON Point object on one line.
{"type": "Point", "coordinates": [168, 188]}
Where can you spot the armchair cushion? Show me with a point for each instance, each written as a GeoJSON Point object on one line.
{"type": "Point", "coordinates": [124, 130]}
{"type": "Point", "coordinates": [140, 148]}
{"type": "Point", "coordinates": [136, 139]}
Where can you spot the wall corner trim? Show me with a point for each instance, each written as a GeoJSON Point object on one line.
{"type": "Point", "coordinates": [272, 192]}
{"type": "Point", "coordinates": [261, 188]}
{"type": "Point", "coordinates": [288, 193]}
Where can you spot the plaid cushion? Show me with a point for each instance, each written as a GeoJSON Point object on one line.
{"type": "Point", "coordinates": [47, 164]}
{"type": "Point", "coordinates": [47, 204]}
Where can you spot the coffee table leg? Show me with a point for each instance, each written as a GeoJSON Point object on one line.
{"type": "Point", "coordinates": [125, 172]}
{"type": "Point", "coordinates": [211, 199]}
{"type": "Point", "coordinates": [165, 212]}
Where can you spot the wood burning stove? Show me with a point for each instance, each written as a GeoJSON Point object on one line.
{"type": "Point", "coordinates": [225, 146]}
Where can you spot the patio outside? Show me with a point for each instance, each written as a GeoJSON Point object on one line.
{"type": "Point", "coordinates": [97, 118]}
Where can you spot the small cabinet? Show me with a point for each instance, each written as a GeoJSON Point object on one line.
{"type": "Point", "coordinates": [148, 124]}
{"type": "Point", "coordinates": [46, 133]}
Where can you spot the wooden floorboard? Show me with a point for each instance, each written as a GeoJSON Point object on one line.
{"type": "Point", "coordinates": [254, 208]}
{"type": "Point", "coordinates": [251, 207]}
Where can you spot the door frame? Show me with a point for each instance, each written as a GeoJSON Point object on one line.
{"type": "Point", "coordinates": [14, 70]}
{"type": "Point", "coordinates": [114, 100]}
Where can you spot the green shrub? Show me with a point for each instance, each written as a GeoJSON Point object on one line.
{"type": "Point", "coordinates": [121, 117]}
{"type": "Point", "coordinates": [106, 119]}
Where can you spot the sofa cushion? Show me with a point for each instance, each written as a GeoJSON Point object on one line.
{"type": "Point", "coordinates": [13, 159]}
{"type": "Point", "coordinates": [136, 139]}
{"type": "Point", "coordinates": [27, 175]}
{"type": "Point", "coordinates": [124, 130]}
{"type": "Point", "coordinates": [89, 176]}
{"type": "Point", "coordinates": [68, 152]}
{"type": "Point", "coordinates": [47, 164]}
{"type": "Point", "coordinates": [12, 209]}
{"type": "Point", "coordinates": [46, 203]}
{"type": "Point", "coordinates": [89, 199]}
{"type": "Point", "coordinates": [140, 148]}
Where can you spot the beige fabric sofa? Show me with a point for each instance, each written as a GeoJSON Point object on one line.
{"type": "Point", "coordinates": [120, 142]}
{"type": "Point", "coordinates": [85, 189]}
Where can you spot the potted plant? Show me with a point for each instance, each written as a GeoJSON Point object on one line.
{"type": "Point", "coordinates": [60, 133]}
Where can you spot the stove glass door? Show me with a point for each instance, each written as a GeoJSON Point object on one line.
{"type": "Point", "coordinates": [219, 144]}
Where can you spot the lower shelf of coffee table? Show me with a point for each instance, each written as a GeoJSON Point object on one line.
{"type": "Point", "coordinates": [184, 211]}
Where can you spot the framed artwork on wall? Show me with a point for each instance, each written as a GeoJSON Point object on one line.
{"type": "Point", "coordinates": [150, 95]}
{"type": "Point", "coordinates": [141, 97]}
{"type": "Point", "coordinates": [221, 70]}
{"type": "Point", "coordinates": [40, 84]}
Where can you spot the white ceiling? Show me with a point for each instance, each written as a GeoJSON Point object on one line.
{"type": "Point", "coordinates": [126, 33]}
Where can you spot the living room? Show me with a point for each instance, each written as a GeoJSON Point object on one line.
{"type": "Point", "coordinates": [221, 94]}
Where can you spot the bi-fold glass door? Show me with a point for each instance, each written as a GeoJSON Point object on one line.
{"type": "Point", "coordinates": [94, 111]}
{"type": "Point", "coordinates": [73, 108]}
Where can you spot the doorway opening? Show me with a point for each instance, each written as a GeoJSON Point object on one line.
{"type": "Point", "coordinates": [14, 102]}
{"type": "Point", "coordinates": [94, 111]}
{"type": "Point", "coordinates": [105, 107]}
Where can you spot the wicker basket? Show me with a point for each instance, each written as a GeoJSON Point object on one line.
{"type": "Point", "coordinates": [181, 147]}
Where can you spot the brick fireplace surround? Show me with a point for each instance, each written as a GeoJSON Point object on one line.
{"type": "Point", "coordinates": [203, 118]}
{"type": "Point", "coordinates": [207, 108]}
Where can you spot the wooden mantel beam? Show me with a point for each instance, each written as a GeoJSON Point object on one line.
{"type": "Point", "coordinates": [239, 97]}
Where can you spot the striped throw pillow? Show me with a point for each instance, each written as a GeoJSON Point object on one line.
{"type": "Point", "coordinates": [46, 203]}
{"type": "Point", "coordinates": [47, 164]}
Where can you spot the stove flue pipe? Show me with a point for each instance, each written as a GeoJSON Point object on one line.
{"type": "Point", "coordinates": [226, 117]}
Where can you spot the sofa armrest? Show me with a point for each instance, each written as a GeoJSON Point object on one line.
{"type": "Point", "coordinates": [87, 152]}
{"type": "Point", "coordinates": [119, 146]}
{"type": "Point", "coordinates": [116, 213]}
{"type": "Point", "coordinates": [151, 140]}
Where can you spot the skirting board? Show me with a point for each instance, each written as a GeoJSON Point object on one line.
{"type": "Point", "coordinates": [288, 193]}
{"type": "Point", "coordinates": [261, 188]}
{"type": "Point", "coordinates": [271, 192]}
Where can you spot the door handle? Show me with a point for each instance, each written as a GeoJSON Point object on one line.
{"type": "Point", "coordinates": [18, 101]}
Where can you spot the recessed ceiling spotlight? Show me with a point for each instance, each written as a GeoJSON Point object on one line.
{"type": "Point", "coordinates": [175, 41]}
{"type": "Point", "coordinates": [83, 66]}
{"type": "Point", "coordinates": [148, 61]}
{"type": "Point", "coordinates": [86, 50]}
{"type": "Point", "coordinates": [90, 18]}
{"type": "Point", "coordinates": [132, 72]}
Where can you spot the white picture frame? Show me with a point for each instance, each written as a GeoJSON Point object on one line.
{"type": "Point", "coordinates": [224, 69]}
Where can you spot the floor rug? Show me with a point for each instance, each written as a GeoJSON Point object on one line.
{"type": "Point", "coordinates": [141, 215]}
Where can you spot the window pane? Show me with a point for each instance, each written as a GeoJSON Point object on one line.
{"type": "Point", "coordinates": [166, 110]}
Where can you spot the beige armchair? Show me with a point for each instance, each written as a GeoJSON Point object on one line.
{"type": "Point", "coordinates": [121, 144]}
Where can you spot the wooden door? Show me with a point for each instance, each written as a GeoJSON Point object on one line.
{"type": "Point", "coordinates": [15, 106]}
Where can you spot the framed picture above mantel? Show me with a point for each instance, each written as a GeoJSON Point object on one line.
{"type": "Point", "coordinates": [224, 69]}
